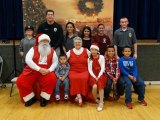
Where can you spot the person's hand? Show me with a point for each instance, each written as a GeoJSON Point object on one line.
{"type": "Point", "coordinates": [114, 80]}
{"type": "Point", "coordinates": [62, 78]}
{"type": "Point", "coordinates": [21, 54]}
{"type": "Point", "coordinates": [132, 78]}
{"type": "Point", "coordinates": [135, 56]}
{"type": "Point", "coordinates": [44, 71]}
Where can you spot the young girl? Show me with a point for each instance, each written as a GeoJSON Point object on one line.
{"type": "Point", "coordinates": [86, 37]}
{"type": "Point", "coordinates": [96, 68]}
{"type": "Point", "coordinates": [70, 35]}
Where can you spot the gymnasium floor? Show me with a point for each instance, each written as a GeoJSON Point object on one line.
{"type": "Point", "coordinates": [11, 108]}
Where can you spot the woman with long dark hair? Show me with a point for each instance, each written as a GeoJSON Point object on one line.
{"type": "Point", "coordinates": [70, 35]}
{"type": "Point", "coordinates": [86, 37]}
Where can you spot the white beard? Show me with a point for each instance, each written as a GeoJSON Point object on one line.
{"type": "Point", "coordinates": [44, 49]}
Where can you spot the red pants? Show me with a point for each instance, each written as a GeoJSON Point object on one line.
{"type": "Point", "coordinates": [25, 84]}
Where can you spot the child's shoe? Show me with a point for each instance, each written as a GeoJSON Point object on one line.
{"type": "Point", "coordinates": [57, 97]}
{"type": "Point", "coordinates": [66, 97]}
{"type": "Point", "coordinates": [129, 105]}
{"type": "Point", "coordinates": [80, 101]}
{"type": "Point", "coordinates": [143, 102]}
{"type": "Point", "coordinates": [100, 107]}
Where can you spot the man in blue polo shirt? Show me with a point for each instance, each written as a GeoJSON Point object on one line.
{"type": "Point", "coordinates": [124, 36]}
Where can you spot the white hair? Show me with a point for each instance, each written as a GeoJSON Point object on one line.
{"type": "Point", "coordinates": [44, 49]}
{"type": "Point", "coordinates": [77, 39]}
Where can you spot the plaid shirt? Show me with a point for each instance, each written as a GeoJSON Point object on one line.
{"type": "Point", "coordinates": [62, 71]}
{"type": "Point", "coordinates": [112, 67]}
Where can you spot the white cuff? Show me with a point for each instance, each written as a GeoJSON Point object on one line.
{"type": "Point", "coordinates": [28, 97]}
{"type": "Point", "coordinates": [45, 95]}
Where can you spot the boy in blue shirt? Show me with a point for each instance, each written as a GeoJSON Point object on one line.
{"type": "Point", "coordinates": [130, 76]}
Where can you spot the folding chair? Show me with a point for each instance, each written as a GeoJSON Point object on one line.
{"type": "Point", "coordinates": [13, 81]}
{"type": "Point", "coordinates": [1, 68]}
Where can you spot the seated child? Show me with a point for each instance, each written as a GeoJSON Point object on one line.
{"type": "Point", "coordinates": [113, 73]}
{"type": "Point", "coordinates": [96, 68]}
{"type": "Point", "coordinates": [61, 72]}
{"type": "Point", "coordinates": [130, 76]}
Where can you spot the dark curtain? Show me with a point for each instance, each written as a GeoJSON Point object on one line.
{"type": "Point", "coordinates": [11, 19]}
{"type": "Point", "coordinates": [143, 15]}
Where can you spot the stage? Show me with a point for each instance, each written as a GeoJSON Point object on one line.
{"type": "Point", "coordinates": [69, 111]}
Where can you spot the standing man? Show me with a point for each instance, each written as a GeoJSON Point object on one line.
{"type": "Point", "coordinates": [53, 30]}
{"type": "Point", "coordinates": [101, 39]}
{"type": "Point", "coordinates": [124, 36]}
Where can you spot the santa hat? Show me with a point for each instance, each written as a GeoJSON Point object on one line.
{"type": "Point", "coordinates": [40, 37]}
{"type": "Point", "coordinates": [95, 46]}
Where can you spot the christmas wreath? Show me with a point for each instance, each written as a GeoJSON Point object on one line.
{"type": "Point", "coordinates": [84, 9]}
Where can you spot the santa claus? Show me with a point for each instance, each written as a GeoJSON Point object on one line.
{"type": "Point", "coordinates": [41, 61]}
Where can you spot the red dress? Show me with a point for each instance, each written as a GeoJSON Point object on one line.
{"type": "Point", "coordinates": [96, 69]}
{"type": "Point", "coordinates": [78, 74]}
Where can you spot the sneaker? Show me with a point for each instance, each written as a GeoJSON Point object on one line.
{"type": "Point", "coordinates": [143, 102]}
{"type": "Point", "coordinates": [100, 107]}
{"type": "Point", "coordinates": [129, 105]}
{"type": "Point", "coordinates": [57, 97]}
{"type": "Point", "coordinates": [110, 99]}
{"type": "Point", "coordinates": [80, 101]}
{"type": "Point", "coordinates": [117, 98]}
{"type": "Point", "coordinates": [76, 99]}
{"type": "Point", "coordinates": [97, 101]}
{"type": "Point", "coordinates": [66, 97]}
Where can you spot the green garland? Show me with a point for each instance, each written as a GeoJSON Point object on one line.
{"type": "Point", "coordinates": [98, 6]}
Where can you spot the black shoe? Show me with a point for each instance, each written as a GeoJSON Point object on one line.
{"type": "Point", "coordinates": [30, 102]}
{"type": "Point", "coordinates": [43, 102]}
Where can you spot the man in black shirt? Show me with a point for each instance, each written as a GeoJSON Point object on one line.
{"type": "Point", "coordinates": [53, 30]}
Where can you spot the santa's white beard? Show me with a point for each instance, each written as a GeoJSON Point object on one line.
{"type": "Point", "coordinates": [44, 49]}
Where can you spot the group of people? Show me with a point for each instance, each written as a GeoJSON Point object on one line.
{"type": "Point", "coordinates": [85, 64]}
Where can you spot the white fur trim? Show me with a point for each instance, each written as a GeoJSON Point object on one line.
{"type": "Point", "coordinates": [45, 95]}
{"type": "Point", "coordinates": [44, 37]}
{"type": "Point", "coordinates": [28, 97]}
{"type": "Point", "coordinates": [94, 46]}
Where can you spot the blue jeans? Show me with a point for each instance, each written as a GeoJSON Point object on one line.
{"type": "Point", "coordinates": [139, 87]}
{"type": "Point", "coordinates": [66, 86]}
{"type": "Point", "coordinates": [108, 87]}
{"type": "Point", "coordinates": [119, 88]}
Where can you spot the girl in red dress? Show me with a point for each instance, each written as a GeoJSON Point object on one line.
{"type": "Point", "coordinates": [78, 74]}
{"type": "Point", "coordinates": [96, 67]}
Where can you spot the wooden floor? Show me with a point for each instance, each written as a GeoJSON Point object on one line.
{"type": "Point", "coordinates": [11, 108]}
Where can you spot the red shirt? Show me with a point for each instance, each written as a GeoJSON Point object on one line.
{"type": "Point", "coordinates": [103, 42]}
{"type": "Point", "coordinates": [112, 67]}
